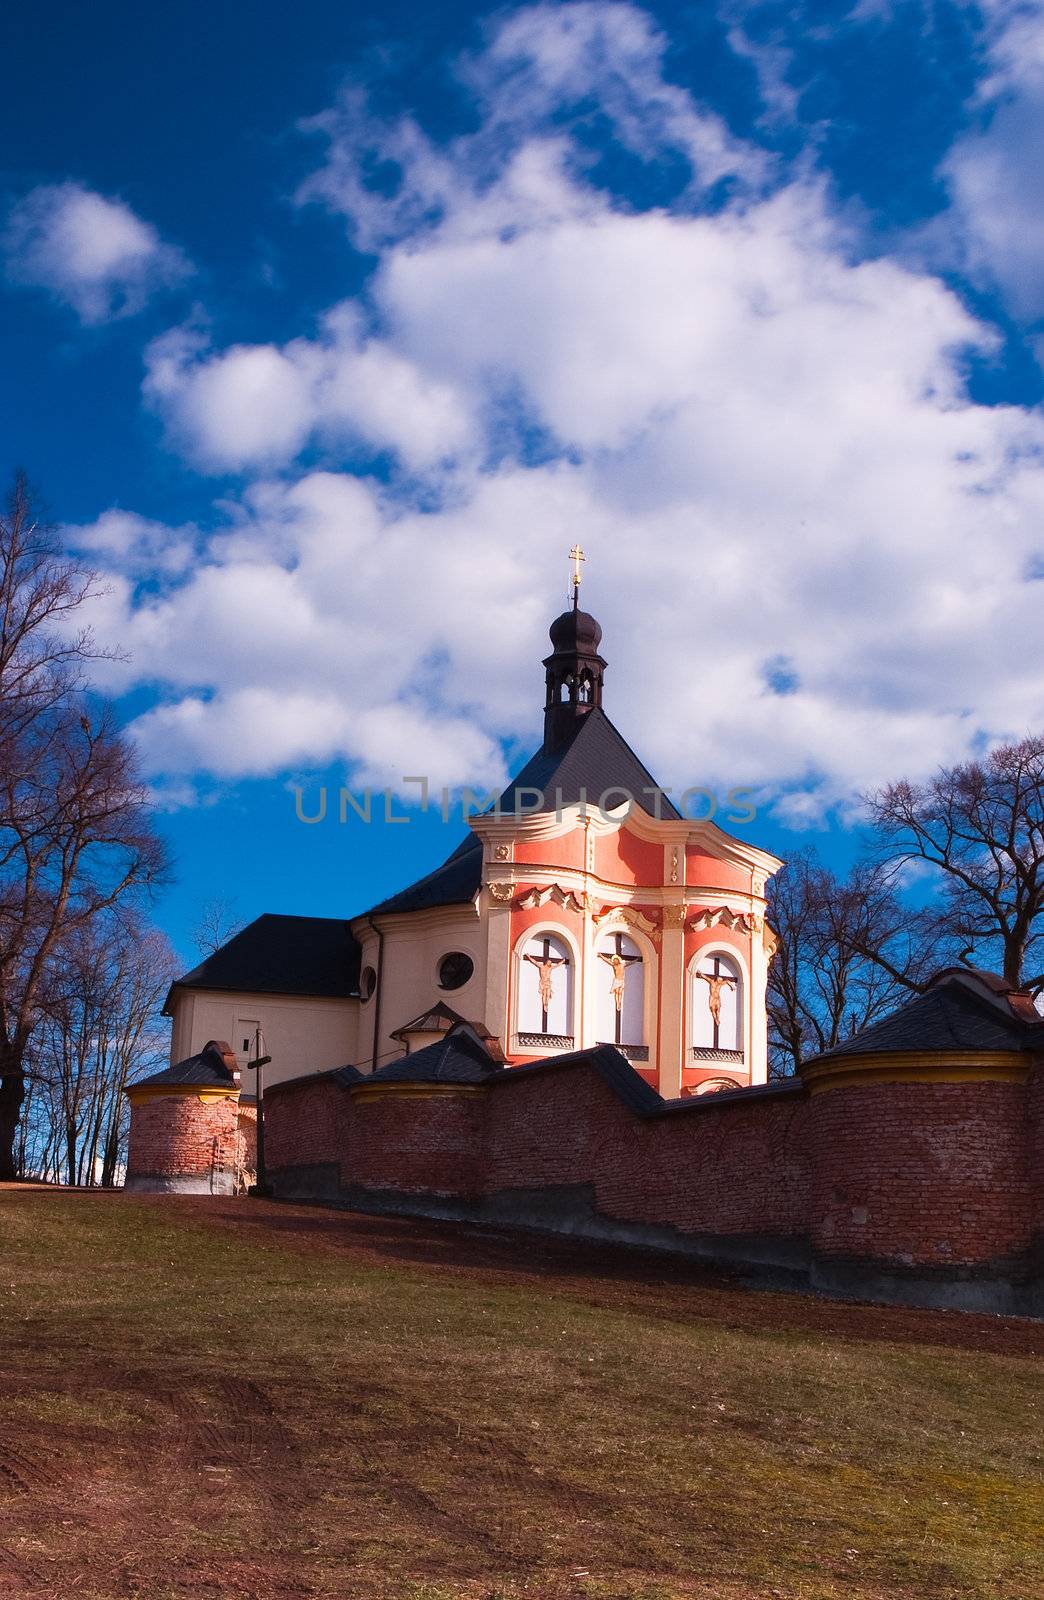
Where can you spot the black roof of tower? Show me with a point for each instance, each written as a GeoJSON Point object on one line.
{"type": "Point", "coordinates": [596, 759]}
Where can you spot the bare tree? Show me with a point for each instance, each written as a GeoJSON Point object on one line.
{"type": "Point", "coordinates": [102, 1029]}
{"type": "Point", "coordinates": [75, 838]}
{"type": "Point", "coordinates": [979, 827]}
{"type": "Point", "coordinates": [849, 950]}
{"type": "Point", "coordinates": [216, 925]}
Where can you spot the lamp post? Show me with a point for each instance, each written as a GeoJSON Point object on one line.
{"type": "Point", "coordinates": [259, 1063]}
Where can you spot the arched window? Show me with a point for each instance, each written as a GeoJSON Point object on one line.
{"type": "Point", "coordinates": [717, 1003]}
{"type": "Point", "coordinates": [621, 990]}
{"type": "Point", "coordinates": [545, 990]}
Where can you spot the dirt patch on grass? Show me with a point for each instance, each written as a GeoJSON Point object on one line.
{"type": "Point", "coordinates": [259, 1402]}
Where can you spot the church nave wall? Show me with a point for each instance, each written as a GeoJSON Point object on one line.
{"type": "Point", "coordinates": [302, 1034]}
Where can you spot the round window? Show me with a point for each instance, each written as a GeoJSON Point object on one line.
{"type": "Point", "coordinates": [455, 970]}
{"type": "Point", "coordinates": [367, 982]}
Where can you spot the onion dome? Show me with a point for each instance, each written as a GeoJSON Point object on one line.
{"type": "Point", "coordinates": [575, 632]}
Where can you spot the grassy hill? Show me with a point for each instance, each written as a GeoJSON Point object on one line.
{"type": "Point", "coordinates": [233, 1398]}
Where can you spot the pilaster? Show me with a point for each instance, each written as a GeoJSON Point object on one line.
{"type": "Point", "coordinates": [672, 1002]}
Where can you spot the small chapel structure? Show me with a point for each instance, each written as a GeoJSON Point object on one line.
{"type": "Point", "coordinates": [581, 909]}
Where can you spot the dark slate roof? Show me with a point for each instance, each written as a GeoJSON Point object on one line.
{"type": "Point", "coordinates": [206, 1069]}
{"type": "Point", "coordinates": [614, 1070]}
{"type": "Point", "coordinates": [781, 1089]}
{"type": "Point", "coordinates": [440, 1018]}
{"type": "Point", "coordinates": [345, 1076]}
{"type": "Point", "coordinates": [458, 1058]}
{"type": "Point", "coordinates": [617, 1073]}
{"type": "Point", "coordinates": [283, 955]}
{"type": "Point", "coordinates": [948, 1016]}
{"type": "Point", "coordinates": [596, 759]}
{"type": "Point", "coordinates": [437, 1016]}
{"type": "Point", "coordinates": [456, 882]}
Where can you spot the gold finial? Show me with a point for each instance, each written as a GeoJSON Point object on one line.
{"type": "Point", "coordinates": [576, 555]}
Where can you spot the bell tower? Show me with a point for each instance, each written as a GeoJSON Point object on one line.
{"type": "Point", "coordinates": [574, 668]}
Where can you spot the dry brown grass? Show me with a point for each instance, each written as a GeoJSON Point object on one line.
{"type": "Point", "coordinates": [205, 1399]}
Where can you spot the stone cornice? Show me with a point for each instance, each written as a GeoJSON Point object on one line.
{"type": "Point", "coordinates": [704, 836]}
{"type": "Point", "coordinates": [506, 879]}
{"type": "Point", "coordinates": [362, 1092]}
{"type": "Point", "coordinates": [136, 1093]}
{"type": "Point", "coordinates": [917, 1066]}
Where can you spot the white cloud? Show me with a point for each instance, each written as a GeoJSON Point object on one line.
{"type": "Point", "coordinates": [543, 61]}
{"type": "Point", "coordinates": [995, 171]}
{"type": "Point", "coordinates": [249, 406]}
{"type": "Point", "coordinates": [254, 406]}
{"type": "Point", "coordinates": [765, 444]}
{"type": "Point", "coordinates": [543, 69]}
{"type": "Point", "coordinates": [261, 732]}
{"type": "Point", "coordinates": [92, 253]}
{"type": "Point", "coordinates": [123, 541]}
{"type": "Point", "coordinates": [611, 324]}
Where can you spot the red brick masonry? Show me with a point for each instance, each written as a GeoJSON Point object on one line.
{"type": "Point", "coordinates": [184, 1144]}
{"type": "Point", "coordinates": [927, 1191]}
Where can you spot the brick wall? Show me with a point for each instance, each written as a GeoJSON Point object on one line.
{"type": "Point", "coordinates": [921, 1174]}
{"type": "Point", "coordinates": [431, 1143]}
{"type": "Point", "coordinates": [725, 1168]}
{"type": "Point", "coordinates": [307, 1136]}
{"type": "Point", "coordinates": [1035, 1157]}
{"type": "Point", "coordinates": [182, 1144]}
{"type": "Point", "coordinates": [246, 1144]}
{"type": "Point", "coordinates": [924, 1180]}
{"type": "Point", "coordinates": [557, 1145]}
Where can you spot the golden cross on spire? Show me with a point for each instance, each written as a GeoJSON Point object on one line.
{"type": "Point", "coordinates": [576, 555]}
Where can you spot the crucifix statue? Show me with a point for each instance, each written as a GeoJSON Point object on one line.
{"type": "Point", "coordinates": [716, 982]}
{"type": "Point", "coordinates": [619, 963]}
{"type": "Point", "coordinates": [545, 964]}
{"type": "Point", "coordinates": [576, 555]}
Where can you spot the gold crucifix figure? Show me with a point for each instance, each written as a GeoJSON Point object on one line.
{"type": "Point", "coordinates": [545, 964]}
{"type": "Point", "coordinates": [619, 963]}
{"type": "Point", "coordinates": [715, 982]}
{"type": "Point", "coordinates": [576, 555]}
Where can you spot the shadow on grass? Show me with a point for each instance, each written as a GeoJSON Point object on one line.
{"type": "Point", "coordinates": [651, 1282]}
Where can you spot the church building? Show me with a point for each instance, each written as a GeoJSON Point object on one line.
{"type": "Point", "coordinates": [581, 909]}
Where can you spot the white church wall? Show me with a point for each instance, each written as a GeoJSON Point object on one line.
{"type": "Point", "coordinates": [414, 947]}
{"type": "Point", "coordinates": [302, 1033]}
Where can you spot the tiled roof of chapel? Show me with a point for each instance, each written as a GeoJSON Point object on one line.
{"type": "Point", "coordinates": [208, 1069]}
{"type": "Point", "coordinates": [460, 1057]}
{"type": "Point", "coordinates": [956, 1013]}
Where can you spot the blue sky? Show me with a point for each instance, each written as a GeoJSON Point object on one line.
{"type": "Point", "coordinates": [328, 329]}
